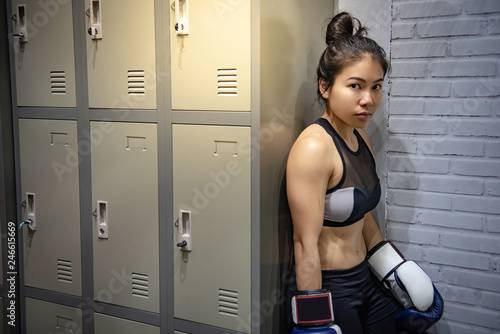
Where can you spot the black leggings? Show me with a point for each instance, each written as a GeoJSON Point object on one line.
{"type": "Point", "coordinates": [360, 303]}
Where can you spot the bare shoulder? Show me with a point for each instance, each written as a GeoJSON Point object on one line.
{"type": "Point", "coordinates": [313, 141]}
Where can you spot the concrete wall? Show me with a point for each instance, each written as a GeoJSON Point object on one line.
{"type": "Point", "coordinates": [443, 205]}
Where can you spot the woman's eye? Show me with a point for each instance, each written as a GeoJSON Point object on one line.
{"type": "Point", "coordinates": [355, 86]}
{"type": "Point", "coordinates": [377, 87]}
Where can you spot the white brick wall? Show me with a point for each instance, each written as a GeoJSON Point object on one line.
{"type": "Point", "coordinates": [443, 170]}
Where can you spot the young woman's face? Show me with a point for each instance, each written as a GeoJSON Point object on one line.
{"type": "Point", "coordinates": [356, 93]}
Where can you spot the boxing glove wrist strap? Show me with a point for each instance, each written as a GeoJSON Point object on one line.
{"type": "Point", "coordinates": [312, 308]}
{"type": "Point", "coordinates": [384, 259]}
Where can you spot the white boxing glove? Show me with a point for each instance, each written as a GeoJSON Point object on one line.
{"type": "Point", "coordinates": [405, 278]}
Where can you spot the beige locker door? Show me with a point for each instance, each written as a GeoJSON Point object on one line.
{"type": "Point", "coordinates": [45, 317]}
{"type": "Point", "coordinates": [125, 224]}
{"type": "Point", "coordinates": [211, 180]}
{"type": "Point", "coordinates": [50, 191]}
{"type": "Point", "coordinates": [121, 63]}
{"type": "Point", "coordinates": [45, 66]}
{"type": "Point", "coordinates": [105, 324]}
{"type": "Point", "coordinates": [210, 65]}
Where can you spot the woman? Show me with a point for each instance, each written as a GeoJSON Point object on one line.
{"type": "Point", "coordinates": [333, 232]}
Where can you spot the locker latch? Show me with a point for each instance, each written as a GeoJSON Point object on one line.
{"type": "Point", "coordinates": [183, 224]}
{"type": "Point", "coordinates": [21, 24]}
{"type": "Point", "coordinates": [181, 25]}
{"type": "Point", "coordinates": [94, 12]}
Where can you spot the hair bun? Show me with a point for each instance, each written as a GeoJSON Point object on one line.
{"type": "Point", "coordinates": [342, 26]}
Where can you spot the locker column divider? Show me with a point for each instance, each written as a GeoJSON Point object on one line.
{"type": "Point", "coordinates": [7, 184]}
{"type": "Point", "coordinates": [255, 165]}
{"type": "Point", "coordinates": [165, 195]}
{"type": "Point", "coordinates": [83, 126]}
{"type": "Point", "coordinates": [15, 128]}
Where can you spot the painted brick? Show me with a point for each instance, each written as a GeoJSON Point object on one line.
{"type": "Point", "coordinates": [494, 26]}
{"type": "Point", "coordinates": [410, 251]}
{"type": "Point", "coordinates": [402, 145]}
{"type": "Point", "coordinates": [403, 214]}
{"type": "Point", "coordinates": [406, 49]}
{"type": "Point", "coordinates": [408, 69]}
{"type": "Point", "coordinates": [476, 167]}
{"type": "Point", "coordinates": [421, 88]}
{"type": "Point", "coordinates": [482, 6]}
{"type": "Point", "coordinates": [471, 278]}
{"type": "Point", "coordinates": [496, 105]}
{"type": "Point", "coordinates": [446, 28]}
{"type": "Point", "coordinates": [445, 327]}
{"type": "Point", "coordinates": [475, 46]}
{"type": "Point", "coordinates": [493, 149]}
{"type": "Point", "coordinates": [477, 204]}
{"type": "Point", "coordinates": [453, 185]}
{"type": "Point", "coordinates": [476, 128]}
{"type": "Point", "coordinates": [479, 88]}
{"type": "Point", "coordinates": [493, 224]}
{"type": "Point", "coordinates": [427, 9]}
{"type": "Point", "coordinates": [461, 221]}
{"type": "Point", "coordinates": [418, 165]}
{"type": "Point", "coordinates": [490, 300]}
{"type": "Point", "coordinates": [473, 242]}
{"type": "Point", "coordinates": [458, 107]}
{"type": "Point", "coordinates": [476, 316]}
{"type": "Point", "coordinates": [451, 293]}
{"type": "Point", "coordinates": [407, 106]}
{"type": "Point", "coordinates": [413, 234]}
{"type": "Point", "coordinates": [451, 147]}
{"type": "Point", "coordinates": [463, 68]}
{"type": "Point", "coordinates": [492, 188]}
{"type": "Point", "coordinates": [457, 258]}
{"type": "Point", "coordinates": [420, 199]}
{"type": "Point", "coordinates": [407, 125]}
{"type": "Point", "coordinates": [403, 30]}
{"type": "Point", "coordinates": [402, 181]}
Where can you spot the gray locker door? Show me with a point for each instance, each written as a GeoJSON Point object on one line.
{"type": "Point", "coordinates": [50, 190]}
{"type": "Point", "coordinates": [45, 317]}
{"type": "Point", "coordinates": [105, 324]}
{"type": "Point", "coordinates": [125, 203]}
{"type": "Point", "coordinates": [44, 56]}
{"type": "Point", "coordinates": [211, 176]}
{"type": "Point", "coordinates": [121, 62]}
{"type": "Point", "coordinates": [210, 65]}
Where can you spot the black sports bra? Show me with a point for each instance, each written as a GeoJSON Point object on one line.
{"type": "Point", "coordinates": [358, 192]}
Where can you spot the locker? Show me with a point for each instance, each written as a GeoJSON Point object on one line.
{"type": "Point", "coordinates": [105, 324]}
{"type": "Point", "coordinates": [210, 63]}
{"type": "Point", "coordinates": [121, 54]}
{"type": "Point", "coordinates": [44, 53]}
{"type": "Point", "coordinates": [124, 169]}
{"type": "Point", "coordinates": [47, 317]}
{"type": "Point", "coordinates": [211, 185]}
{"type": "Point", "coordinates": [49, 158]}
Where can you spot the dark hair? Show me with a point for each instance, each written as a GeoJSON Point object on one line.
{"type": "Point", "coordinates": [346, 44]}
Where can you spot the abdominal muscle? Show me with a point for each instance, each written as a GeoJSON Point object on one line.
{"type": "Point", "coordinates": [342, 247]}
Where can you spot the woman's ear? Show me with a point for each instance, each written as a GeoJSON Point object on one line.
{"type": "Point", "coordinates": [323, 88]}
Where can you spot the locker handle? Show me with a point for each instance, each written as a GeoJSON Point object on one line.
{"type": "Point", "coordinates": [94, 12]}
{"type": "Point", "coordinates": [183, 224]}
{"type": "Point", "coordinates": [181, 10]}
{"type": "Point", "coordinates": [30, 211]}
{"type": "Point", "coordinates": [21, 23]}
{"type": "Point", "coordinates": [102, 219]}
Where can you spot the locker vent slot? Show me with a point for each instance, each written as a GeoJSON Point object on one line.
{"type": "Point", "coordinates": [136, 82]}
{"type": "Point", "coordinates": [58, 82]}
{"type": "Point", "coordinates": [140, 285]}
{"type": "Point", "coordinates": [227, 82]}
{"type": "Point", "coordinates": [64, 271]}
{"type": "Point", "coordinates": [228, 303]}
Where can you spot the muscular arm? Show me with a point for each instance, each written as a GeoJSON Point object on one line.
{"type": "Point", "coordinates": [307, 179]}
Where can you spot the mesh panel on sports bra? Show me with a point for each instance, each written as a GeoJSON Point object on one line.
{"type": "Point", "coordinates": [358, 191]}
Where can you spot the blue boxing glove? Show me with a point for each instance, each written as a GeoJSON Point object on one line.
{"type": "Point", "coordinates": [312, 312]}
{"type": "Point", "coordinates": [424, 305]}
